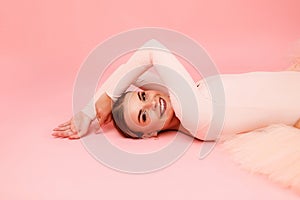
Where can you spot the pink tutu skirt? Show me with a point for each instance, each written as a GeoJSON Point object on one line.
{"type": "Point", "coordinates": [273, 151]}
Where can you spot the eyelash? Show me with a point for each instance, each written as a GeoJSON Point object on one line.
{"type": "Point", "coordinates": [143, 94]}
{"type": "Point", "coordinates": [144, 117]}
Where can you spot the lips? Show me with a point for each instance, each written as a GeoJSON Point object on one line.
{"type": "Point", "coordinates": [162, 106]}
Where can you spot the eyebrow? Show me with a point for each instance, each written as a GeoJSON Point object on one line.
{"type": "Point", "coordinates": [140, 112]}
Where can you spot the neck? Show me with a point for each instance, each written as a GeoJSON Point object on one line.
{"type": "Point", "coordinates": [175, 125]}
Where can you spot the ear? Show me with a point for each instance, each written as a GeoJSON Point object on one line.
{"type": "Point", "coordinates": [151, 134]}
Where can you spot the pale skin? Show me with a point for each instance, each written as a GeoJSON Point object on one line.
{"type": "Point", "coordinates": [78, 125]}
{"type": "Point", "coordinates": [142, 112]}
{"type": "Point", "coordinates": [143, 116]}
{"type": "Point", "coordinates": [151, 113]}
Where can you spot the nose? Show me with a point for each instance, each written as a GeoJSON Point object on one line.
{"type": "Point", "coordinates": [151, 104]}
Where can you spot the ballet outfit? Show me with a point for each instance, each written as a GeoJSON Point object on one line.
{"type": "Point", "coordinates": [259, 109]}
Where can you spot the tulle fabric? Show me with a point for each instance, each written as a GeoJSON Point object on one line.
{"type": "Point", "coordinates": [273, 151]}
{"type": "Point", "coordinates": [295, 58]}
{"type": "Point", "coordinates": [295, 66]}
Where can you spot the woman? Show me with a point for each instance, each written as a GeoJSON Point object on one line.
{"type": "Point", "coordinates": [253, 100]}
{"type": "Point", "coordinates": [261, 105]}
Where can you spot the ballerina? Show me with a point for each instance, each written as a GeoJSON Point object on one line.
{"type": "Point", "coordinates": [253, 100]}
{"type": "Point", "coordinates": [264, 106]}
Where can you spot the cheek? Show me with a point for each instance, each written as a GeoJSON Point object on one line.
{"type": "Point", "coordinates": [156, 121]}
{"type": "Point", "coordinates": [170, 111]}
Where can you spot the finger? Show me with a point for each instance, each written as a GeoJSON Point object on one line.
{"type": "Point", "coordinates": [73, 128]}
{"type": "Point", "coordinates": [65, 124]}
{"type": "Point", "coordinates": [100, 121]}
{"type": "Point", "coordinates": [99, 118]}
{"type": "Point", "coordinates": [62, 134]}
{"type": "Point", "coordinates": [55, 134]}
{"type": "Point", "coordinates": [74, 136]}
{"type": "Point", "coordinates": [58, 135]}
{"type": "Point", "coordinates": [108, 119]}
{"type": "Point", "coordinates": [62, 128]}
{"type": "Point", "coordinates": [103, 120]}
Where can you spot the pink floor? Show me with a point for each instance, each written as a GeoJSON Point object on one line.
{"type": "Point", "coordinates": [42, 46]}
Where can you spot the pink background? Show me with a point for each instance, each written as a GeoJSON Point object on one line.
{"type": "Point", "coordinates": [42, 46]}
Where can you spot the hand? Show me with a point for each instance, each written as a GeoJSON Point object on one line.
{"type": "Point", "coordinates": [75, 128]}
{"type": "Point", "coordinates": [103, 108]}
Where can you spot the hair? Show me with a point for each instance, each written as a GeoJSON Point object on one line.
{"type": "Point", "coordinates": [119, 119]}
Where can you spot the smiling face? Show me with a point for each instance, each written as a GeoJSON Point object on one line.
{"type": "Point", "coordinates": [147, 112]}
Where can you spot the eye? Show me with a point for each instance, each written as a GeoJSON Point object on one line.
{"type": "Point", "coordinates": [143, 94]}
{"type": "Point", "coordinates": [144, 117]}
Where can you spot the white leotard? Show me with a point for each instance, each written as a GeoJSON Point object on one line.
{"type": "Point", "coordinates": [252, 100]}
